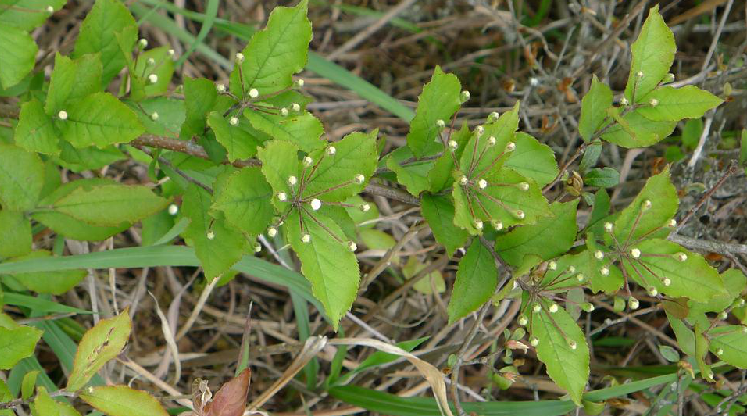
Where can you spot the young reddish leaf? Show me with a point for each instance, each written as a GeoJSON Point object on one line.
{"type": "Point", "coordinates": [230, 400]}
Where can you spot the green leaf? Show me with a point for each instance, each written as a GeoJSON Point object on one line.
{"type": "Point", "coordinates": [602, 178]}
{"type": "Point", "coordinates": [591, 156]}
{"type": "Point", "coordinates": [28, 384]}
{"type": "Point", "coordinates": [200, 98]}
{"type": "Point", "coordinates": [71, 81]}
{"type": "Point", "coordinates": [238, 141]}
{"type": "Point", "coordinates": [39, 304]}
{"type": "Point", "coordinates": [475, 282]}
{"type": "Point", "coordinates": [27, 14]}
{"type": "Point", "coordinates": [481, 157]}
{"type": "Point", "coordinates": [279, 162]}
{"type": "Point", "coordinates": [640, 218]}
{"type": "Point", "coordinates": [326, 260]}
{"type": "Point", "coordinates": [379, 358]}
{"type": "Point", "coordinates": [440, 176]}
{"type": "Point", "coordinates": [439, 100]}
{"type": "Point", "coordinates": [44, 405]}
{"type": "Point", "coordinates": [274, 54]}
{"type": "Point", "coordinates": [107, 21]}
{"type": "Point", "coordinates": [110, 205]}
{"type": "Point", "coordinates": [413, 175]}
{"type": "Point", "coordinates": [653, 54]}
{"type": "Point", "coordinates": [557, 334]}
{"type": "Point", "coordinates": [16, 234]}
{"type": "Point", "coordinates": [729, 343]}
{"type": "Point", "coordinates": [123, 401]}
{"type": "Point", "coordinates": [303, 129]}
{"type": "Point", "coordinates": [533, 159]}
{"type": "Point", "coordinates": [674, 104]}
{"type": "Point", "coordinates": [549, 237]}
{"type": "Point", "coordinates": [692, 278]}
{"type": "Point", "coordinates": [594, 107]}
{"type": "Point", "coordinates": [87, 158]}
{"type": "Point", "coordinates": [669, 353]}
{"type": "Point", "coordinates": [439, 212]}
{"type": "Point", "coordinates": [245, 201]}
{"type": "Point", "coordinates": [99, 120]}
{"type": "Point", "coordinates": [18, 50]}
{"type": "Point", "coordinates": [16, 344]}
{"type": "Point", "coordinates": [217, 245]}
{"type": "Point", "coordinates": [377, 240]}
{"type": "Point", "coordinates": [21, 178]}
{"type": "Point", "coordinates": [334, 176]}
{"type": "Point", "coordinates": [35, 131]}
{"type": "Point", "coordinates": [635, 130]}
{"type": "Point", "coordinates": [163, 69]}
{"type": "Point", "coordinates": [171, 115]}
{"type": "Point", "coordinates": [100, 344]}
{"type": "Point", "coordinates": [55, 283]}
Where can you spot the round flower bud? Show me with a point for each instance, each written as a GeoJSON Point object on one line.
{"type": "Point", "coordinates": [154, 116]}
{"type": "Point", "coordinates": [491, 141]}
{"type": "Point", "coordinates": [720, 351]}
{"type": "Point", "coordinates": [359, 179]}
{"type": "Point", "coordinates": [305, 238]}
{"type": "Point", "coordinates": [239, 57]}
{"type": "Point", "coordinates": [440, 124]}
{"type": "Point", "coordinates": [667, 281]}
{"type": "Point", "coordinates": [257, 248]}
{"type": "Point", "coordinates": [639, 74]}
{"type": "Point", "coordinates": [553, 308]}
{"type": "Point", "coordinates": [463, 180]}
{"type": "Point", "coordinates": [524, 186]}
{"type": "Point", "coordinates": [172, 53]}
{"type": "Point", "coordinates": [478, 224]}
{"type": "Point", "coordinates": [272, 231]}
{"type": "Point", "coordinates": [365, 207]}
{"type": "Point", "coordinates": [316, 204]}
{"type": "Point", "coordinates": [479, 130]}
{"type": "Point", "coordinates": [50, 9]}
{"type": "Point", "coordinates": [552, 265]}
{"type": "Point", "coordinates": [580, 277]}
{"type": "Point", "coordinates": [253, 93]}
{"type": "Point", "coordinates": [633, 303]}
{"type": "Point", "coordinates": [537, 308]}
{"type": "Point", "coordinates": [331, 150]}
{"type": "Point", "coordinates": [572, 344]}
{"type": "Point", "coordinates": [635, 253]}
{"type": "Point", "coordinates": [608, 227]}
{"type": "Point", "coordinates": [520, 214]}
{"type": "Point", "coordinates": [599, 254]}
{"type": "Point", "coordinates": [173, 209]}
{"type": "Point", "coordinates": [669, 77]}
{"type": "Point", "coordinates": [210, 235]}
{"type": "Point", "coordinates": [482, 183]}
{"type": "Point", "coordinates": [498, 225]}
{"type": "Point", "coordinates": [300, 82]}
{"type": "Point", "coordinates": [510, 147]}
{"type": "Point", "coordinates": [605, 271]}
{"type": "Point", "coordinates": [153, 78]}
{"type": "Point", "coordinates": [221, 88]}
{"type": "Point", "coordinates": [723, 315]}
{"type": "Point", "coordinates": [672, 223]}
{"type": "Point", "coordinates": [493, 116]}
{"type": "Point", "coordinates": [292, 180]}
{"type": "Point", "coordinates": [62, 115]}
{"type": "Point", "coordinates": [587, 307]}
{"type": "Point", "coordinates": [647, 204]}
{"type": "Point", "coordinates": [624, 101]}
{"type": "Point", "coordinates": [151, 61]}
{"type": "Point", "coordinates": [296, 107]}
{"type": "Point", "coordinates": [143, 43]}
{"type": "Point", "coordinates": [534, 341]}
{"type": "Point", "coordinates": [572, 269]}
{"type": "Point", "coordinates": [284, 112]}
{"type": "Point", "coordinates": [652, 291]}
{"type": "Point", "coordinates": [352, 246]}
{"type": "Point", "coordinates": [453, 144]}
{"type": "Point", "coordinates": [465, 95]}
{"type": "Point", "coordinates": [234, 121]}
{"type": "Point", "coordinates": [681, 257]}
{"type": "Point", "coordinates": [282, 196]}
{"type": "Point", "coordinates": [523, 320]}
{"type": "Point", "coordinates": [654, 102]}
{"type": "Point", "coordinates": [533, 81]}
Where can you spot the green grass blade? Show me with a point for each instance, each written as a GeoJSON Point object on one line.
{"type": "Point", "coordinates": [207, 24]}
{"type": "Point", "coordinates": [39, 304]}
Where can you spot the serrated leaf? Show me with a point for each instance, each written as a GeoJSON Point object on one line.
{"type": "Point", "coordinates": [21, 178]}
{"type": "Point", "coordinates": [439, 100]}
{"type": "Point", "coordinates": [594, 107]}
{"type": "Point", "coordinates": [440, 176]}
{"type": "Point", "coordinates": [18, 50]}
{"type": "Point", "coordinates": [238, 141]}
{"type": "Point", "coordinates": [163, 69]}
{"type": "Point", "coordinates": [734, 282]}
{"type": "Point", "coordinates": [274, 54]}
{"type": "Point", "coordinates": [200, 98]}
{"type": "Point", "coordinates": [653, 54]}
{"type": "Point", "coordinates": [414, 175]}
{"type": "Point", "coordinates": [55, 283]}
{"type": "Point", "coordinates": [35, 131]}
{"type": "Point", "coordinates": [693, 278]}
{"type": "Point", "coordinates": [226, 247]}
{"type": "Point", "coordinates": [602, 177]}
{"type": "Point", "coordinates": [635, 130]}
{"type": "Point", "coordinates": [99, 120]}
{"type": "Point", "coordinates": [72, 80]}
{"type": "Point", "coordinates": [16, 344]}
{"type": "Point", "coordinates": [107, 20]}
{"type": "Point", "coordinates": [568, 367]}
{"type": "Point", "coordinates": [171, 115]}
{"type": "Point", "coordinates": [326, 261]}
{"type": "Point", "coordinates": [533, 159]}
{"type": "Point", "coordinates": [334, 178]}
{"type": "Point", "coordinates": [87, 158]}
{"type": "Point", "coordinates": [99, 344]}
{"type": "Point", "coordinates": [549, 237]}
{"type": "Point", "coordinates": [123, 401]}
{"type": "Point", "coordinates": [438, 211]}
{"type": "Point", "coordinates": [16, 234]}
{"type": "Point", "coordinates": [245, 201]}
{"type": "Point", "coordinates": [110, 205]}
{"type": "Point", "coordinates": [731, 342]}
{"type": "Point", "coordinates": [303, 129]}
{"type": "Point", "coordinates": [636, 222]}
{"type": "Point", "coordinates": [480, 157]}
{"type": "Point", "coordinates": [27, 14]}
{"type": "Point", "coordinates": [44, 405]}
{"type": "Point", "coordinates": [674, 104]}
{"type": "Point", "coordinates": [475, 283]}
{"type": "Point", "coordinates": [279, 162]}
{"type": "Point", "coordinates": [591, 156]}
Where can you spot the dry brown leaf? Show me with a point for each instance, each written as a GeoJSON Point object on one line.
{"type": "Point", "coordinates": [230, 400]}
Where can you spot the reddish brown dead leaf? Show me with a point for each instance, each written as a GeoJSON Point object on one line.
{"type": "Point", "coordinates": [230, 400]}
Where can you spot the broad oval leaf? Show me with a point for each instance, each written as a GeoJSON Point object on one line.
{"type": "Point", "coordinates": [594, 107]}
{"type": "Point", "coordinates": [100, 120]}
{"type": "Point", "coordinates": [71, 80]}
{"type": "Point", "coordinates": [635, 130]}
{"type": "Point", "coordinates": [653, 54]}
{"type": "Point", "coordinates": [123, 401]}
{"type": "Point", "coordinates": [475, 282]}
{"type": "Point", "coordinates": [439, 100]}
{"type": "Point", "coordinates": [21, 178]}
{"type": "Point", "coordinates": [674, 104]}
{"type": "Point", "coordinates": [238, 141]}
{"type": "Point", "coordinates": [438, 210]}
{"type": "Point", "coordinates": [18, 50]}
{"type": "Point", "coordinates": [729, 343]}
{"type": "Point", "coordinates": [16, 344]}
{"type": "Point", "coordinates": [27, 14]}
{"type": "Point", "coordinates": [245, 201]}
{"type": "Point", "coordinates": [44, 405]}
{"type": "Point", "coordinates": [15, 229]}
{"type": "Point", "coordinates": [640, 219]}
{"type": "Point", "coordinates": [35, 131]}
{"type": "Point", "coordinates": [532, 159]}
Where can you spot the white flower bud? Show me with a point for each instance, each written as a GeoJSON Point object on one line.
{"type": "Point", "coordinates": [669, 77]}
{"type": "Point", "coordinates": [284, 112]}
{"type": "Point", "coordinates": [453, 144]}
{"type": "Point", "coordinates": [440, 124]}
{"type": "Point", "coordinates": [654, 102]}
{"type": "Point", "coordinates": [172, 53]}
{"type": "Point", "coordinates": [307, 161]}
{"type": "Point", "coordinates": [465, 95]}
{"type": "Point", "coordinates": [292, 180]}
{"type": "Point", "coordinates": [652, 291]}
{"type": "Point", "coordinates": [305, 238]}
{"type": "Point", "coordinates": [723, 315]}
{"type": "Point", "coordinates": [173, 209]}
{"type": "Point", "coordinates": [720, 351]}
{"type": "Point", "coordinates": [534, 341]}
{"type": "Point", "coordinates": [608, 227]}
{"type": "Point", "coordinates": [463, 180]}
{"type": "Point", "coordinates": [239, 57]}
{"type": "Point", "coordinates": [494, 116]}
{"type": "Point", "coordinates": [331, 150]}
{"type": "Point", "coordinates": [510, 147]}
{"type": "Point", "coordinates": [498, 225]}
{"type": "Point", "coordinates": [482, 183]}
{"type": "Point", "coordinates": [672, 223]}
{"type": "Point", "coordinates": [151, 61]}
{"type": "Point", "coordinates": [62, 115]}
{"type": "Point", "coordinates": [553, 308]}
{"type": "Point", "coordinates": [524, 186]}
{"type": "Point", "coordinates": [552, 265]}
{"type": "Point", "coordinates": [272, 231]}
{"type": "Point", "coordinates": [153, 78]}
{"type": "Point", "coordinates": [296, 107]}
{"type": "Point", "coordinates": [282, 196]}
{"type": "Point", "coordinates": [647, 204]}
{"type": "Point", "coordinates": [572, 269]}
{"type": "Point", "coordinates": [639, 74]}
{"type": "Point", "coordinates": [89, 389]}
{"type": "Point", "coordinates": [359, 179]}
{"type": "Point", "coordinates": [667, 281]}
{"type": "Point", "coordinates": [253, 93]}
{"type": "Point", "coordinates": [257, 248]}
{"type": "Point", "coordinates": [537, 308]}
{"type": "Point", "coordinates": [143, 43]}
{"type": "Point", "coordinates": [210, 235]}
{"type": "Point", "coordinates": [221, 88]}
{"type": "Point", "coordinates": [633, 303]}
{"type": "Point", "coordinates": [533, 81]}
{"type": "Point", "coordinates": [50, 9]}
{"type": "Point", "coordinates": [580, 277]}
{"type": "Point", "coordinates": [352, 246]}
{"type": "Point", "coordinates": [491, 141]}
{"type": "Point", "coordinates": [316, 204]}
{"type": "Point", "coordinates": [523, 320]}
{"type": "Point", "coordinates": [154, 116]}
{"type": "Point", "coordinates": [635, 253]}
{"type": "Point", "coordinates": [520, 214]}
{"type": "Point", "coordinates": [681, 256]}
{"type": "Point", "coordinates": [478, 224]}
{"type": "Point", "coordinates": [624, 101]}
{"type": "Point", "coordinates": [605, 271]}
{"type": "Point", "coordinates": [479, 130]}
{"type": "Point", "coordinates": [599, 254]}
{"type": "Point", "coordinates": [300, 82]}
{"type": "Point", "coordinates": [365, 207]}
{"type": "Point", "coordinates": [234, 121]}
{"type": "Point", "coordinates": [572, 344]}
